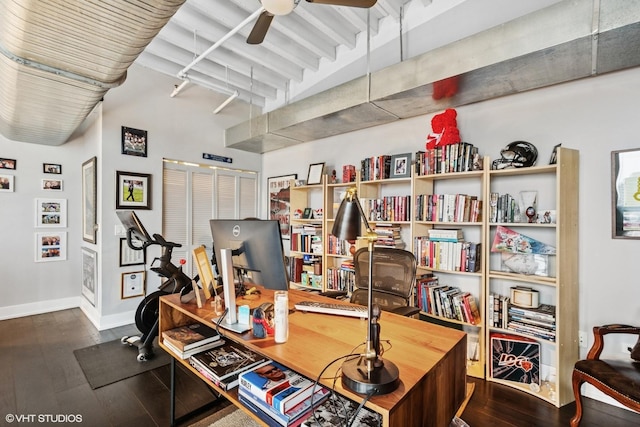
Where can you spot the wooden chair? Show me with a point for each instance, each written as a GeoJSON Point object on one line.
{"type": "Point", "coordinates": [619, 379]}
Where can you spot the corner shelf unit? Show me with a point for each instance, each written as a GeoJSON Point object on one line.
{"type": "Point", "coordinates": [557, 189]}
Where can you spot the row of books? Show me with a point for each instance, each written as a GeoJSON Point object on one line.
{"type": "Point", "coordinates": [388, 208]}
{"type": "Point", "coordinates": [448, 208]}
{"type": "Point", "coordinates": [504, 208]}
{"type": "Point", "coordinates": [446, 255]}
{"type": "Point", "coordinates": [337, 246]}
{"type": "Point", "coordinates": [341, 278]}
{"type": "Point", "coordinates": [374, 168]}
{"type": "Point", "coordinates": [460, 157]}
{"type": "Point", "coordinates": [536, 322]}
{"type": "Point", "coordinates": [446, 301]}
{"type": "Point", "coordinates": [306, 238]}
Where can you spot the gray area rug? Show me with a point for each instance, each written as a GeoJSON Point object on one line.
{"type": "Point", "coordinates": [110, 362]}
{"type": "Point", "coordinates": [229, 416]}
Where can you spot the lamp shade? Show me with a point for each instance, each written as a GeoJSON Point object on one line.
{"type": "Point", "coordinates": [347, 223]}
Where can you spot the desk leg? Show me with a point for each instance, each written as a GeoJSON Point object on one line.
{"type": "Point", "coordinates": [172, 392]}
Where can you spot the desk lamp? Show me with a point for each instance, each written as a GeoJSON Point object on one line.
{"type": "Point", "coordinates": [367, 374]}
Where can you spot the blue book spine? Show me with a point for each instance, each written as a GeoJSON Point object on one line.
{"type": "Point", "coordinates": [264, 411]}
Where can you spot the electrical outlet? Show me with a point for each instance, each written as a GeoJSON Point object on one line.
{"type": "Point", "coordinates": [582, 339]}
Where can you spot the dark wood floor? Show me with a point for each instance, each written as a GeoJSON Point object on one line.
{"type": "Point", "coordinates": [39, 375]}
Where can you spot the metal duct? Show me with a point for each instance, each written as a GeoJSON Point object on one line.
{"type": "Point", "coordinates": [561, 43]}
{"type": "Point", "coordinates": [59, 57]}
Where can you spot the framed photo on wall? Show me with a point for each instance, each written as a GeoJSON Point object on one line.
{"type": "Point", "coordinates": [8, 163]}
{"type": "Point", "coordinates": [53, 168]}
{"type": "Point", "coordinates": [130, 256]}
{"type": "Point", "coordinates": [51, 246]}
{"type": "Point", "coordinates": [6, 183]}
{"type": "Point", "coordinates": [625, 194]}
{"type": "Point", "coordinates": [279, 200]}
{"type": "Point", "coordinates": [52, 184]}
{"type": "Point", "coordinates": [134, 142]}
{"type": "Point", "coordinates": [51, 213]}
{"type": "Point", "coordinates": [89, 274]}
{"type": "Point", "coordinates": [89, 200]}
{"type": "Point", "coordinates": [133, 190]}
{"type": "Point", "coordinates": [132, 284]}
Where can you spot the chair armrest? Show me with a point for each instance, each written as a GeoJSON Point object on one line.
{"type": "Point", "coordinates": [334, 294]}
{"type": "Point", "coordinates": [406, 311]}
{"type": "Point", "coordinates": [600, 331]}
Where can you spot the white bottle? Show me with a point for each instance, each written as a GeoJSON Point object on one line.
{"type": "Point", "coordinates": [281, 308]}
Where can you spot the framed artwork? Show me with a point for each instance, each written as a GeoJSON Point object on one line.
{"type": "Point", "coordinates": [89, 274]}
{"type": "Point", "coordinates": [400, 166]}
{"type": "Point", "coordinates": [625, 194]}
{"type": "Point", "coordinates": [279, 200]}
{"type": "Point", "coordinates": [89, 200]}
{"type": "Point", "coordinates": [134, 142]}
{"type": "Point", "coordinates": [51, 246]}
{"type": "Point", "coordinates": [51, 213]}
{"type": "Point", "coordinates": [130, 256]}
{"type": "Point", "coordinates": [133, 190]}
{"type": "Point", "coordinates": [132, 284]}
{"type": "Point", "coordinates": [7, 163]}
{"type": "Point", "coordinates": [315, 173]}
{"type": "Point", "coordinates": [52, 184]}
{"type": "Point", "coordinates": [52, 168]}
{"type": "Point", "coordinates": [6, 183]}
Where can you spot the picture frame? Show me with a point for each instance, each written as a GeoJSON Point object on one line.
{"type": "Point", "coordinates": [89, 274]}
{"type": "Point", "coordinates": [89, 200]}
{"type": "Point", "coordinates": [400, 166]}
{"type": "Point", "coordinates": [51, 246]}
{"type": "Point", "coordinates": [625, 194]}
{"type": "Point", "coordinates": [315, 173]}
{"type": "Point", "coordinates": [52, 168]}
{"type": "Point", "coordinates": [132, 284]}
{"type": "Point", "coordinates": [52, 184]}
{"type": "Point", "coordinates": [279, 200]}
{"type": "Point", "coordinates": [134, 142]}
{"type": "Point", "coordinates": [130, 256]}
{"type": "Point", "coordinates": [133, 190]}
{"type": "Point", "coordinates": [6, 183]}
{"type": "Point", "coordinates": [307, 213]}
{"type": "Point", "coordinates": [8, 163]}
{"type": "Point", "coordinates": [51, 213]}
{"type": "Point", "coordinates": [554, 154]}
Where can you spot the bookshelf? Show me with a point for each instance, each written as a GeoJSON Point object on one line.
{"type": "Point", "coordinates": [556, 188]}
{"type": "Point", "coordinates": [458, 186]}
{"type": "Point", "coordinates": [339, 271]}
{"type": "Point", "coordinates": [307, 237]}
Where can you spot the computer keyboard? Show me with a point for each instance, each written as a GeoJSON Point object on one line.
{"type": "Point", "coordinates": [330, 308]}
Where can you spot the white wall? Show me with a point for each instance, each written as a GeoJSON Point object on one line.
{"type": "Point", "coordinates": [595, 115]}
{"type": "Point", "coordinates": [180, 128]}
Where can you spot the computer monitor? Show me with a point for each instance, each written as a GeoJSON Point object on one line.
{"type": "Point", "coordinates": [257, 249]}
{"type": "Point", "coordinates": [130, 221]}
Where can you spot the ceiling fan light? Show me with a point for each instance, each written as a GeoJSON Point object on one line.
{"type": "Point", "coordinates": [278, 7]}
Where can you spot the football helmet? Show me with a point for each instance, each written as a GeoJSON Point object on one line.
{"type": "Point", "coordinates": [518, 154]}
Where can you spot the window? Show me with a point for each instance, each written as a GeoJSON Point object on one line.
{"type": "Point", "coordinates": [194, 194]}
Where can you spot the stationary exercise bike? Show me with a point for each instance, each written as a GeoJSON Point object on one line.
{"type": "Point", "coordinates": [147, 314]}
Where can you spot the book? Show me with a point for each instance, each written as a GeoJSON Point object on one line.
{"type": "Point", "coordinates": [293, 417]}
{"type": "Point", "coordinates": [266, 381]}
{"type": "Point", "coordinates": [190, 336]}
{"type": "Point", "coordinates": [338, 411]}
{"type": "Point", "coordinates": [228, 359]}
{"type": "Point", "coordinates": [188, 353]}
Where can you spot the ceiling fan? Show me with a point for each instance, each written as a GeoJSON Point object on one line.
{"type": "Point", "coordinates": [270, 8]}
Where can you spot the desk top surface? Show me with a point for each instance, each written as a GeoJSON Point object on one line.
{"type": "Point", "coordinates": [315, 340]}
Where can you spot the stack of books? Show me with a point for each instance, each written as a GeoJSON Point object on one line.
{"type": "Point", "coordinates": [222, 365]}
{"type": "Point", "coordinates": [188, 340]}
{"type": "Point", "coordinates": [538, 322]}
{"type": "Point", "coordinates": [278, 395]}
{"type": "Point", "coordinates": [388, 236]}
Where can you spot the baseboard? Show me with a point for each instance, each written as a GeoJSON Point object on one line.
{"type": "Point", "coordinates": [40, 307]}
{"type": "Point", "coordinates": [102, 323]}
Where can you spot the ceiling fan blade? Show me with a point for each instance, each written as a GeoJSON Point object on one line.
{"type": "Point", "coordinates": [260, 28]}
{"type": "Point", "coordinates": [350, 3]}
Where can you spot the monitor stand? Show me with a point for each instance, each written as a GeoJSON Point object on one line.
{"type": "Point", "coordinates": [230, 321]}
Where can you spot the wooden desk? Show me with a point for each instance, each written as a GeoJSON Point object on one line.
{"type": "Point", "coordinates": [431, 358]}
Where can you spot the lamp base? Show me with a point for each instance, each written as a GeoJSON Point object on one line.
{"type": "Point", "coordinates": [383, 380]}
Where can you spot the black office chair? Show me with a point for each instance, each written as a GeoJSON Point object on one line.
{"type": "Point", "coordinates": [394, 276]}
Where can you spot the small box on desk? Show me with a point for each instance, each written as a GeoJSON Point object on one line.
{"type": "Point", "coordinates": [515, 358]}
